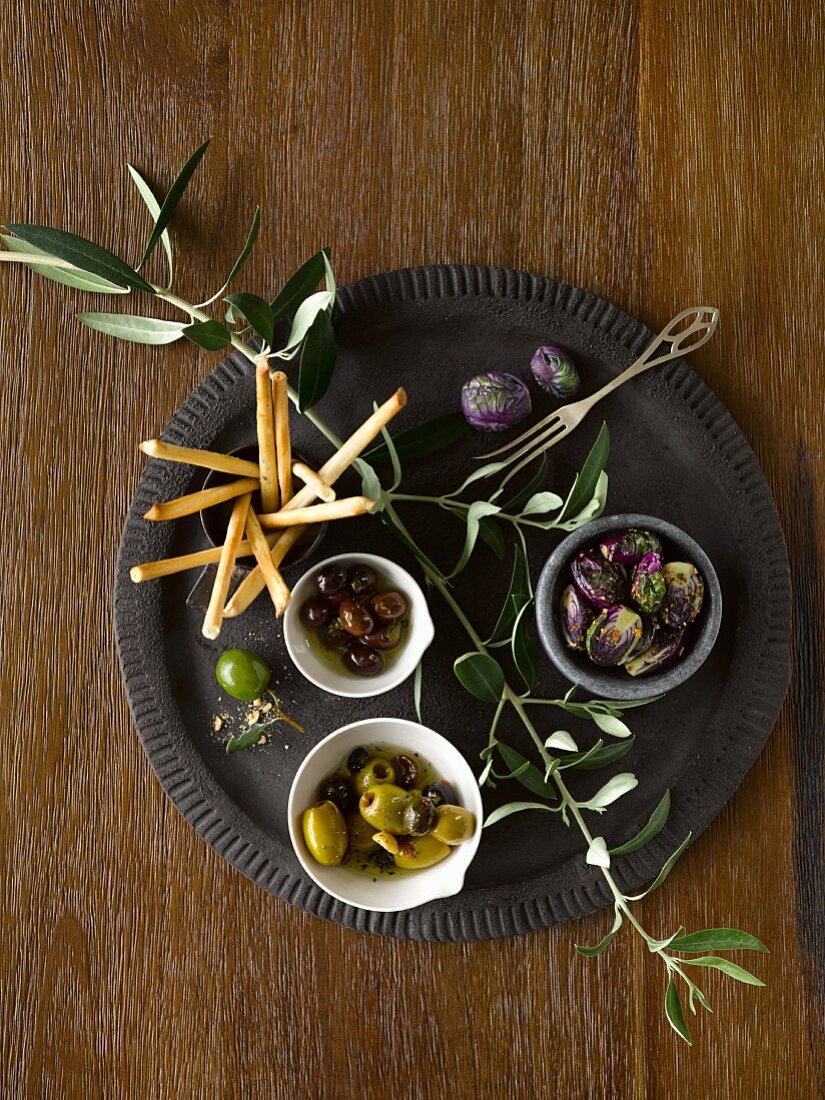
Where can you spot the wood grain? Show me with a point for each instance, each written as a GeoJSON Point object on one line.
{"type": "Point", "coordinates": [655, 152]}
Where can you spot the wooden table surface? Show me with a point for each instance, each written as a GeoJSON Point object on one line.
{"type": "Point", "coordinates": [656, 153]}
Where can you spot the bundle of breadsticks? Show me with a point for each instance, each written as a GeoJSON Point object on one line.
{"type": "Point", "coordinates": [284, 514]}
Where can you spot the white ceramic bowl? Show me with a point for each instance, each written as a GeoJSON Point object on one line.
{"type": "Point", "coordinates": [324, 674]}
{"type": "Point", "coordinates": [406, 890]}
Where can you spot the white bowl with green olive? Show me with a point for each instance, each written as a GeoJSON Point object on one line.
{"type": "Point", "coordinates": [357, 625]}
{"type": "Point", "coordinates": [359, 850]}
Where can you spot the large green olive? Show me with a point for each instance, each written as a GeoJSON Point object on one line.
{"type": "Point", "coordinates": [453, 824]}
{"type": "Point", "coordinates": [325, 833]}
{"type": "Point", "coordinates": [415, 852]}
{"type": "Point", "coordinates": [377, 771]}
{"type": "Point", "coordinates": [419, 815]}
{"type": "Point", "coordinates": [384, 807]}
{"type": "Point", "coordinates": [360, 833]}
{"type": "Point", "coordinates": [242, 674]}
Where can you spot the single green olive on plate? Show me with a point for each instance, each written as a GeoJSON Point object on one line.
{"type": "Point", "coordinates": [242, 674]}
{"type": "Point", "coordinates": [420, 844]}
{"type": "Point", "coordinates": [628, 606]}
{"type": "Point", "coordinates": [380, 625]}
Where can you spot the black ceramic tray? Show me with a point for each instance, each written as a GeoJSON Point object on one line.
{"type": "Point", "coordinates": [676, 453]}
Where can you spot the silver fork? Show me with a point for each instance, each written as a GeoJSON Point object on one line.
{"type": "Point", "coordinates": [550, 431]}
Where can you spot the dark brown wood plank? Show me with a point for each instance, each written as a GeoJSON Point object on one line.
{"type": "Point", "coordinates": [652, 152]}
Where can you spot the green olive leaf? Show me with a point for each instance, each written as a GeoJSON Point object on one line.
{"type": "Point", "coordinates": [299, 286]}
{"type": "Point", "coordinates": [250, 736]}
{"type": "Point", "coordinates": [482, 471]}
{"type": "Point", "coordinates": [719, 939]}
{"type": "Point", "coordinates": [252, 236]}
{"type": "Point", "coordinates": [395, 460]}
{"type": "Point", "coordinates": [74, 277]}
{"type": "Point", "coordinates": [305, 317]}
{"type": "Point", "coordinates": [257, 311]}
{"type": "Point", "coordinates": [481, 675]}
{"type": "Point", "coordinates": [424, 439]}
{"type": "Point", "coordinates": [82, 253]}
{"type": "Point", "coordinates": [529, 776]}
{"type": "Point", "coordinates": [600, 755]}
{"type": "Point", "coordinates": [513, 507]}
{"type": "Point", "coordinates": [587, 479]}
{"type": "Point", "coordinates": [673, 1011]}
{"type": "Point", "coordinates": [211, 335]}
{"type": "Point", "coordinates": [477, 510]}
{"type": "Point", "coordinates": [561, 739]}
{"type": "Point", "coordinates": [490, 533]}
{"type": "Point", "coordinates": [518, 594]}
{"type": "Point", "coordinates": [172, 199]}
{"type": "Point", "coordinates": [608, 724]}
{"type": "Point", "coordinates": [317, 362]}
{"type": "Point", "coordinates": [417, 686]}
{"type": "Point", "coordinates": [541, 503]}
{"type": "Point", "coordinates": [524, 649]}
{"type": "Point", "coordinates": [597, 853]}
{"type": "Point", "coordinates": [592, 952]}
{"type": "Point", "coordinates": [514, 808]}
{"type": "Point", "coordinates": [613, 789]}
{"type": "Point", "coordinates": [138, 330]}
{"type": "Point", "coordinates": [410, 543]}
{"type": "Point", "coordinates": [655, 823]}
{"type": "Point", "coordinates": [667, 867]}
{"type": "Point", "coordinates": [153, 206]}
{"type": "Point", "coordinates": [727, 967]}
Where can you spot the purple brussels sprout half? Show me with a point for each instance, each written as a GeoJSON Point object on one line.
{"type": "Point", "coordinates": [493, 402]}
{"type": "Point", "coordinates": [576, 616]}
{"type": "Point", "coordinates": [599, 581]}
{"type": "Point", "coordinates": [614, 636]}
{"type": "Point", "coordinates": [648, 587]}
{"type": "Point", "coordinates": [667, 647]}
{"type": "Point", "coordinates": [554, 371]}
{"type": "Point", "coordinates": [684, 590]}
{"type": "Point", "coordinates": [629, 547]}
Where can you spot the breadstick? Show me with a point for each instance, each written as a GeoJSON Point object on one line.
{"type": "Point", "coordinates": [266, 437]}
{"type": "Point", "coordinates": [210, 460]}
{"type": "Point", "coordinates": [320, 487]}
{"type": "Point", "coordinates": [194, 502]}
{"type": "Point", "coordinates": [151, 570]}
{"type": "Point", "coordinates": [318, 513]}
{"type": "Point", "coordinates": [283, 447]}
{"type": "Point", "coordinates": [276, 584]}
{"type": "Point", "coordinates": [234, 534]}
{"type": "Point", "coordinates": [252, 585]}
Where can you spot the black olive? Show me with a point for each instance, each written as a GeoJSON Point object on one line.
{"type": "Point", "coordinates": [362, 580]}
{"type": "Point", "coordinates": [406, 772]}
{"type": "Point", "coordinates": [357, 759]}
{"type": "Point", "coordinates": [316, 613]}
{"type": "Point", "coordinates": [419, 816]}
{"type": "Point", "coordinates": [335, 637]}
{"type": "Point", "coordinates": [388, 607]}
{"type": "Point", "coordinates": [387, 637]}
{"type": "Point", "coordinates": [355, 618]}
{"type": "Point", "coordinates": [338, 789]}
{"type": "Point", "coordinates": [381, 857]}
{"type": "Point", "coordinates": [362, 661]}
{"type": "Point", "coordinates": [440, 793]}
{"type": "Point", "coordinates": [331, 579]}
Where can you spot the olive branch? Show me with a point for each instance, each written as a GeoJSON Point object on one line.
{"type": "Point", "coordinates": [79, 263]}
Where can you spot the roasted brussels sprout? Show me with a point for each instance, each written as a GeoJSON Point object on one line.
{"type": "Point", "coordinates": [384, 807]}
{"type": "Point", "coordinates": [667, 647]}
{"type": "Point", "coordinates": [453, 824]}
{"type": "Point", "coordinates": [649, 630]}
{"type": "Point", "coordinates": [495, 401]}
{"type": "Point", "coordinates": [629, 547]}
{"type": "Point", "coordinates": [599, 581]}
{"type": "Point", "coordinates": [554, 371]}
{"type": "Point", "coordinates": [614, 635]}
{"type": "Point", "coordinates": [419, 816]}
{"type": "Point", "coordinates": [648, 587]}
{"type": "Point", "coordinates": [684, 591]}
{"type": "Point", "coordinates": [415, 852]}
{"type": "Point", "coordinates": [576, 616]}
{"type": "Point", "coordinates": [325, 833]}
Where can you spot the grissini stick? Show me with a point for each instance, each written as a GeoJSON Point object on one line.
{"type": "Point", "coordinates": [321, 488]}
{"type": "Point", "coordinates": [265, 425]}
{"type": "Point", "coordinates": [194, 502]}
{"type": "Point", "coordinates": [210, 460]}
{"type": "Point", "coordinates": [318, 513]}
{"type": "Point", "coordinates": [278, 589]}
{"type": "Point", "coordinates": [164, 567]}
{"type": "Point", "coordinates": [234, 534]}
{"type": "Point", "coordinates": [251, 586]}
{"type": "Point", "coordinates": [283, 446]}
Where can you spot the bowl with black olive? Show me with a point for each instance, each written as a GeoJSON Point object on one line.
{"type": "Point", "coordinates": [385, 814]}
{"type": "Point", "coordinates": [357, 625]}
{"type": "Point", "coordinates": [628, 606]}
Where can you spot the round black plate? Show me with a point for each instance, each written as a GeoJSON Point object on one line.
{"type": "Point", "coordinates": [676, 453]}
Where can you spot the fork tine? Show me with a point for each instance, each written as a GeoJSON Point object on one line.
{"type": "Point", "coordinates": [520, 439]}
{"type": "Point", "coordinates": [536, 445]}
{"type": "Point", "coordinates": [550, 440]}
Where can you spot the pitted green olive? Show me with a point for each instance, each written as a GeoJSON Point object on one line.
{"type": "Point", "coordinates": [453, 824]}
{"type": "Point", "coordinates": [377, 771]}
{"type": "Point", "coordinates": [419, 816]}
{"type": "Point", "coordinates": [360, 833]}
{"type": "Point", "coordinates": [325, 833]}
{"type": "Point", "coordinates": [415, 852]}
{"type": "Point", "coordinates": [383, 806]}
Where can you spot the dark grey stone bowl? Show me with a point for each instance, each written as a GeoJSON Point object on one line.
{"type": "Point", "coordinates": [615, 683]}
